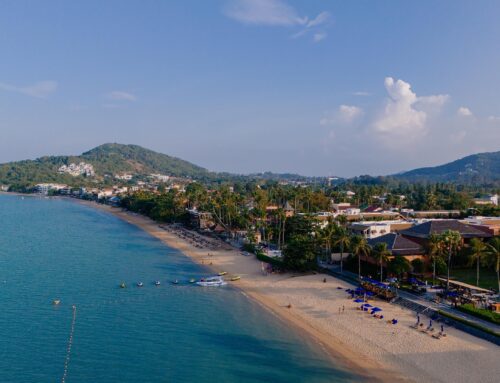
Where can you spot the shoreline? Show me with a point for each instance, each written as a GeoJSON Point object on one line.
{"type": "Point", "coordinates": [336, 351]}
{"type": "Point", "coordinates": [355, 342]}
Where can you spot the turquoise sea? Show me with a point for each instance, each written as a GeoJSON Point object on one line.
{"type": "Point", "coordinates": [57, 249]}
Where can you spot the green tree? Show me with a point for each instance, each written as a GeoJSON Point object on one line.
{"type": "Point", "coordinates": [452, 241]}
{"type": "Point", "coordinates": [493, 256]}
{"type": "Point", "coordinates": [478, 250]}
{"type": "Point", "coordinates": [342, 240]}
{"type": "Point", "coordinates": [399, 265]}
{"type": "Point", "coordinates": [359, 247]}
{"type": "Point", "coordinates": [435, 249]}
{"type": "Point", "coordinates": [299, 253]}
{"type": "Point", "coordinates": [381, 254]}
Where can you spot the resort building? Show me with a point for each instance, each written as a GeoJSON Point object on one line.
{"type": "Point", "coordinates": [422, 232]}
{"type": "Point", "coordinates": [490, 225]}
{"type": "Point", "coordinates": [399, 245]}
{"type": "Point", "coordinates": [491, 199]}
{"type": "Point", "coordinates": [374, 229]}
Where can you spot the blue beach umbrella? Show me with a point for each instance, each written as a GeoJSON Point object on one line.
{"type": "Point", "coordinates": [367, 305]}
{"type": "Point", "coordinates": [376, 309]}
{"type": "Point", "coordinates": [358, 300]}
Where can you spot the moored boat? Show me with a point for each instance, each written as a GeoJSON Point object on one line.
{"type": "Point", "coordinates": [140, 284]}
{"type": "Point", "coordinates": [212, 281]}
{"type": "Point", "coordinates": [157, 283]}
{"type": "Point", "coordinates": [123, 285]}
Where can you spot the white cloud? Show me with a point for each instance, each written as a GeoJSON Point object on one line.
{"type": "Point", "coordinates": [319, 36]}
{"type": "Point", "coordinates": [494, 118]}
{"type": "Point", "coordinates": [118, 95]}
{"type": "Point", "coordinates": [276, 13]}
{"type": "Point", "coordinates": [361, 93]}
{"type": "Point", "coordinates": [321, 19]}
{"type": "Point", "coordinates": [404, 116]}
{"type": "Point", "coordinates": [345, 114]}
{"type": "Point", "coordinates": [464, 112]}
{"type": "Point", "coordinates": [41, 89]}
{"type": "Point", "coordinates": [264, 12]}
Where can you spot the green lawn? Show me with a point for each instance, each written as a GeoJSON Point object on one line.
{"type": "Point", "coordinates": [487, 277]}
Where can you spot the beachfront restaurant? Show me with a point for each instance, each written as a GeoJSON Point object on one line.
{"type": "Point", "coordinates": [461, 293]}
{"type": "Point", "coordinates": [380, 289]}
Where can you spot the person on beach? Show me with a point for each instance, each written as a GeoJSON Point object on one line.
{"type": "Point", "coordinates": [343, 308]}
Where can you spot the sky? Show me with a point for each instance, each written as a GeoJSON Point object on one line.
{"type": "Point", "coordinates": [315, 87]}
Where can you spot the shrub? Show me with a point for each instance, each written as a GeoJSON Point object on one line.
{"type": "Point", "coordinates": [487, 315]}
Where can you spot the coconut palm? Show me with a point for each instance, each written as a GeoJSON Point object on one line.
{"type": "Point", "coordinates": [478, 252]}
{"type": "Point", "coordinates": [452, 240]}
{"type": "Point", "coordinates": [435, 252]}
{"type": "Point", "coordinates": [326, 236]}
{"type": "Point", "coordinates": [381, 254]}
{"type": "Point", "coordinates": [359, 247]}
{"type": "Point", "coordinates": [342, 240]}
{"type": "Point", "coordinates": [493, 256]}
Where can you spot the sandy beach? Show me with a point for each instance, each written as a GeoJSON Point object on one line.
{"type": "Point", "coordinates": [371, 347]}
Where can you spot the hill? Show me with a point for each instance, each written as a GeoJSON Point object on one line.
{"type": "Point", "coordinates": [482, 168]}
{"type": "Point", "coordinates": [107, 160]}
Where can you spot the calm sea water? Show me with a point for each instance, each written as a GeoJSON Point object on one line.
{"type": "Point", "coordinates": [55, 249]}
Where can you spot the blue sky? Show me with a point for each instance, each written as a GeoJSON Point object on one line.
{"type": "Point", "coordinates": [315, 87]}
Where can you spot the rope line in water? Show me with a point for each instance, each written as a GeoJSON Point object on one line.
{"type": "Point", "coordinates": [70, 343]}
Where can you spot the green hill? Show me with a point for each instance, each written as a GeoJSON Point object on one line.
{"type": "Point", "coordinates": [107, 160]}
{"type": "Point", "coordinates": [478, 168]}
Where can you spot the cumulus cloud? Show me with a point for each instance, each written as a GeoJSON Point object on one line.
{"type": "Point", "coordinates": [345, 114]}
{"type": "Point", "coordinates": [276, 13]}
{"type": "Point", "coordinates": [464, 112]}
{"type": "Point", "coordinates": [118, 95]}
{"type": "Point", "coordinates": [404, 115]}
{"type": "Point", "coordinates": [41, 89]}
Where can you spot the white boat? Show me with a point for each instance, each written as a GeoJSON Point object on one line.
{"type": "Point", "coordinates": [140, 284]}
{"type": "Point", "coordinates": [157, 283]}
{"type": "Point", "coordinates": [212, 281]}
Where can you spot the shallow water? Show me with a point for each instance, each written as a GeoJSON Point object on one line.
{"type": "Point", "coordinates": [56, 249]}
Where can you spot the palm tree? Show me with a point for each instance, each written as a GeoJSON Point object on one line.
{"type": "Point", "coordinates": [359, 247]}
{"type": "Point", "coordinates": [493, 253]}
{"type": "Point", "coordinates": [381, 254]}
{"type": "Point", "coordinates": [451, 242]}
{"type": "Point", "coordinates": [478, 251]}
{"type": "Point", "coordinates": [435, 252]}
{"type": "Point", "coordinates": [343, 240]}
{"type": "Point", "coordinates": [326, 235]}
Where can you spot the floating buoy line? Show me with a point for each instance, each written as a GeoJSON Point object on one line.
{"type": "Point", "coordinates": [70, 344]}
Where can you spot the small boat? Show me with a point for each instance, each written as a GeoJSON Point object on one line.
{"type": "Point", "coordinates": [123, 285]}
{"type": "Point", "coordinates": [140, 284]}
{"type": "Point", "coordinates": [223, 273]}
{"type": "Point", "coordinates": [157, 283]}
{"type": "Point", "coordinates": [235, 278]}
{"type": "Point", "coordinates": [192, 280]}
{"type": "Point", "coordinates": [212, 281]}
{"type": "Point", "coordinates": [176, 282]}
{"type": "Point", "coordinates": [55, 302]}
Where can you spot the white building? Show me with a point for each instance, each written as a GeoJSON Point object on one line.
{"type": "Point", "coordinates": [45, 188]}
{"type": "Point", "coordinates": [81, 169]}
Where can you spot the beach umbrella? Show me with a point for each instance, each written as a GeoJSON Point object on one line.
{"type": "Point", "coordinates": [358, 300]}
{"type": "Point", "coordinates": [367, 305]}
{"type": "Point", "coordinates": [370, 294]}
{"type": "Point", "coordinates": [375, 309]}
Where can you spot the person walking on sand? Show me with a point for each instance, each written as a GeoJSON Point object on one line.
{"type": "Point", "coordinates": [343, 308]}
